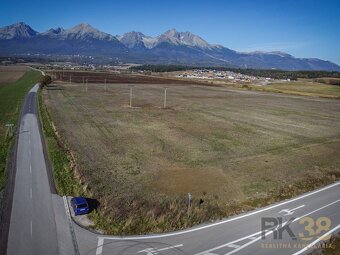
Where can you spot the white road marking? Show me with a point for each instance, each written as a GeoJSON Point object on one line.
{"type": "Point", "coordinates": [227, 244]}
{"type": "Point", "coordinates": [290, 211]}
{"type": "Point", "coordinates": [283, 224]}
{"type": "Point", "coordinates": [224, 221]}
{"type": "Point", "coordinates": [252, 237]}
{"type": "Point", "coordinates": [317, 240]}
{"type": "Point", "coordinates": [152, 251]}
{"type": "Point", "coordinates": [235, 246]}
{"type": "Point", "coordinates": [100, 244]}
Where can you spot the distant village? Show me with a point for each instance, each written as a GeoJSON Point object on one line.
{"type": "Point", "coordinates": [225, 75]}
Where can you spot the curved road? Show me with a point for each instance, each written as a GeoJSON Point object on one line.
{"type": "Point", "coordinates": [40, 221]}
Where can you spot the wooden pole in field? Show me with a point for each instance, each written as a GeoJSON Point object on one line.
{"type": "Point", "coordinates": [164, 105]}
{"type": "Point", "coordinates": [189, 203]}
{"type": "Point", "coordinates": [130, 97]}
{"type": "Point", "coordinates": [86, 85]}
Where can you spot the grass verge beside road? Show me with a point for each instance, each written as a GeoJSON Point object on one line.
{"type": "Point", "coordinates": [62, 171]}
{"type": "Point", "coordinates": [11, 99]}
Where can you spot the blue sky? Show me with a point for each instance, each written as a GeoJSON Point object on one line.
{"type": "Point", "coordinates": [303, 28]}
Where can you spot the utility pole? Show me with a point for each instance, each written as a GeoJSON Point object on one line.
{"type": "Point", "coordinates": [164, 106]}
{"type": "Point", "coordinates": [130, 97]}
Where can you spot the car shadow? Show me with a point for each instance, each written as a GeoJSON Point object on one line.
{"type": "Point", "coordinates": [93, 203]}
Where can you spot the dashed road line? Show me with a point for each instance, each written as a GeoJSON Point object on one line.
{"type": "Point", "coordinates": [100, 244]}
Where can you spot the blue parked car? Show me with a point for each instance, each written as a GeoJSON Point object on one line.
{"type": "Point", "coordinates": [80, 206]}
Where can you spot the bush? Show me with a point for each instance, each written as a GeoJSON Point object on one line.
{"type": "Point", "coordinates": [45, 80]}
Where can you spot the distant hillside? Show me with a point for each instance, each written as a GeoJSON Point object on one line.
{"type": "Point", "coordinates": [172, 47]}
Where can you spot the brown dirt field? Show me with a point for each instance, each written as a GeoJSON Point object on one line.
{"type": "Point", "coordinates": [9, 74]}
{"type": "Point", "coordinates": [175, 180]}
{"type": "Point", "coordinates": [99, 77]}
{"type": "Point", "coordinates": [234, 149]}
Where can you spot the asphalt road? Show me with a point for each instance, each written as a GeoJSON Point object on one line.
{"type": "Point", "coordinates": [40, 222]}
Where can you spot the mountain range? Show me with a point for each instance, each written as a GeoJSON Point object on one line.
{"type": "Point", "coordinates": [171, 47]}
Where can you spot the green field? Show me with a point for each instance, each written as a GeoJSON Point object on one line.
{"type": "Point", "coordinates": [11, 98]}
{"type": "Point", "coordinates": [233, 150]}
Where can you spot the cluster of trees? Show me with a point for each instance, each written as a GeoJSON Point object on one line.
{"type": "Point", "coordinates": [45, 80]}
{"type": "Point", "coordinates": [275, 74]}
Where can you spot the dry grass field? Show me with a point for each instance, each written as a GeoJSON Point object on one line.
{"type": "Point", "coordinates": [9, 74]}
{"type": "Point", "coordinates": [232, 149]}
{"type": "Point", "coordinates": [303, 87]}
